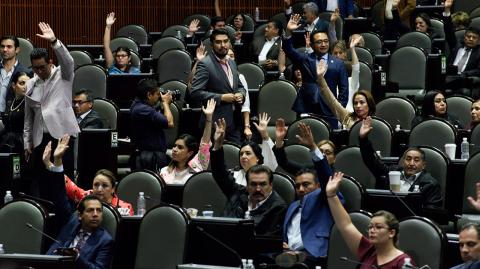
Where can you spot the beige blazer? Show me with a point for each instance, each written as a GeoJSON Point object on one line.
{"type": "Point", "coordinates": [55, 104]}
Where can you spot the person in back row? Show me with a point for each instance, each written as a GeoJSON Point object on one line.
{"type": "Point", "coordinates": [412, 167]}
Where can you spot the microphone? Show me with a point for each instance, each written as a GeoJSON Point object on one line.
{"type": "Point", "coordinates": [403, 203]}
{"type": "Point", "coordinates": [231, 250]}
{"type": "Point", "coordinates": [44, 234]}
{"type": "Point", "coordinates": [345, 259]}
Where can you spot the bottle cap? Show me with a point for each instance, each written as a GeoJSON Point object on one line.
{"type": "Point", "coordinates": [141, 193]}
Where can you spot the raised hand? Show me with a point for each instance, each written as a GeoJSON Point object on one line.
{"type": "Point", "coordinates": [47, 32]}
{"type": "Point", "coordinates": [366, 127]}
{"type": "Point", "coordinates": [321, 69]}
{"type": "Point", "coordinates": [193, 27]}
{"type": "Point", "coordinates": [201, 52]}
{"type": "Point", "coordinates": [333, 184]}
{"type": "Point", "coordinates": [263, 121]}
{"type": "Point", "coordinates": [473, 202]}
{"type": "Point", "coordinates": [209, 109]}
{"type": "Point", "coordinates": [280, 132]}
{"type": "Point", "coordinates": [110, 19]}
{"type": "Point", "coordinates": [293, 23]}
{"type": "Point", "coordinates": [61, 148]}
{"type": "Point", "coordinates": [167, 97]}
{"type": "Point", "coordinates": [305, 136]}
{"type": "Point", "coordinates": [335, 16]}
{"type": "Point", "coordinates": [47, 154]}
{"type": "Point", "coordinates": [219, 136]}
{"type": "Point", "coordinates": [287, 2]}
{"type": "Point", "coordinates": [307, 40]}
{"type": "Point", "coordinates": [448, 5]}
{"type": "Point", "coordinates": [355, 40]}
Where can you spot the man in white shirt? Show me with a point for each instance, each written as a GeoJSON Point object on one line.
{"type": "Point", "coordinates": [267, 48]}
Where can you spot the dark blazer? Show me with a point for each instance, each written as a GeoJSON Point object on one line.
{"type": "Point", "coordinates": [309, 99]}
{"type": "Point", "coordinates": [98, 250]}
{"type": "Point", "coordinates": [19, 68]}
{"type": "Point", "coordinates": [268, 217]}
{"type": "Point", "coordinates": [431, 191]}
{"type": "Point", "coordinates": [473, 65]}
{"type": "Point", "coordinates": [345, 6]}
{"type": "Point", "coordinates": [273, 52]}
{"type": "Point", "coordinates": [210, 81]}
{"type": "Point", "coordinates": [91, 121]}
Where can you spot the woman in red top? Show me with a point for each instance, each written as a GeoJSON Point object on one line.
{"type": "Point", "coordinates": [379, 249]}
{"type": "Point", "coordinates": [103, 187]}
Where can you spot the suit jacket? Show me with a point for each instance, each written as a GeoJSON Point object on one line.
{"type": "Point", "coordinates": [309, 99]}
{"type": "Point", "coordinates": [210, 81]}
{"type": "Point", "coordinates": [431, 191]}
{"type": "Point", "coordinates": [268, 218]}
{"type": "Point", "coordinates": [473, 65]}
{"type": "Point", "coordinates": [345, 6]}
{"type": "Point", "coordinates": [273, 52]}
{"type": "Point", "coordinates": [55, 106]}
{"type": "Point", "coordinates": [91, 121]}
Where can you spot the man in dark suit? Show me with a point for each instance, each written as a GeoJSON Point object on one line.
{"type": "Point", "coordinates": [345, 6]}
{"type": "Point", "coordinates": [267, 49]}
{"type": "Point", "coordinates": [86, 117]}
{"type": "Point", "coordinates": [309, 99]}
{"type": "Point", "coordinates": [216, 77]}
{"type": "Point", "coordinates": [465, 57]}
{"type": "Point", "coordinates": [81, 233]}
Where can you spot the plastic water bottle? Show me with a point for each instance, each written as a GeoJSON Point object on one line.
{"type": "Point", "coordinates": [257, 14]}
{"type": "Point", "coordinates": [2, 250]}
{"type": "Point", "coordinates": [250, 264]}
{"type": "Point", "coordinates": [398, 128]}
{"type": "Point", "coordinates": [8, 197]}
{"type": "Point", "coordinates": [465, 149]}
{"type": "Point", "coordinates": [282, 76]}
{"type": "Point", "coordinates": [244, 263]}
{"type": "Point", "coordinates": [407, 264]}
{"type": "Point", "coordinates": [247, 215]}
{"type": "Point", "coordinates": [141, 208]}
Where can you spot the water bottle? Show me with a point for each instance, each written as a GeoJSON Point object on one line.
{"type": "Point", "coordinates": [465, 149]}
{"type": "Point", "coordinates": [2, 250]}
{"type": "Point", "coordinates": [257, 14]}
{"type": "Point", "coordinates": [8, 197]}
{"type": "Point", "coordinates": [398, 128]}
{"type": "Point", "coordinates": [141, 208]}
{"type": "Point", "coordinates": [244, 263]}
{"type": "Point", "coordinates": [282, 76]}
{"type": "Point", "coordinates": [250, 264]}
{"type": "Point", "coordinates": [318, 267]}
{"type": "Point", "coordinates": [407, 264]}
{"type": "Point", "coordinates": [247, 215]}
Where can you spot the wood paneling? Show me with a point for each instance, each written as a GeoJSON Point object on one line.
{"type": "Point", "coordinates": [82, 21]}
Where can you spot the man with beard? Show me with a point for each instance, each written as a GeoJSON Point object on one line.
{"type": "Point", "coordinates": [216, 77]}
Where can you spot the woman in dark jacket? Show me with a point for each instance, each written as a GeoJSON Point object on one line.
{"type": "Point", "coordinates": [435, 106]}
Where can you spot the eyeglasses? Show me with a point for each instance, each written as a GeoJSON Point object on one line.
{"type": "Point", "coordinates": [121, 55]}
{"type": "Point", "coordinates": [322, 41]}
{"type": "Point", "coordinates": [377, 227]}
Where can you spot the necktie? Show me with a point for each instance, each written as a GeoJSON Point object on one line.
{"type": "Point", "coordinates": [82, 239]}
{"type": "Point", "coordinates": [463, 61]}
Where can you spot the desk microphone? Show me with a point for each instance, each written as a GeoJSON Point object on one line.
{"type": "Point", "coordinates": [231, 250]}
{"type": "Point", "coordinates": [403, 203]}
{"type": "Point", "coordinates": [345, 259]}
{"type": "Point", "coordinates": [44, 234]}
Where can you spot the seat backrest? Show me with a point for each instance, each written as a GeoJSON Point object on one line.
{"type": "Point", "coordinates": [396, 110]}
{"type": "Point", "coordinates": [433, 242]}
{"type": "Point", "coordinates": [26, 48]}
{"type": "Point", "coordinates": [108, 112]}
{"type": "Point", "coordinates": [201, 190]}
{"type": "Point", "coordinates": [284, 186]}
{"type": "Point", "coordinates": [123, 42]}
{"type": "Point", "coordinates": [419, 39]}
{"type": "Point", "coordinates": [231, 153]}
{"type": "Point", "coordinates": [437, 166]}
{"type": "Point", "coordinates": [179, 71]}
{"type": "Point", "coordinates": [349, 156]}
{"type": "Point", "coordinates": [380, 136]}
{"type": "Point", "coordinates": [320, 129]}
{"type": "Point", "coordinates": [373, 42]}
{"type": "Point", "coordinates": [277, 17]}
{"type": "Point", "coordinates": [91, 77]}
{"type": "Point", "coordinates": [164, 44]}
{"type": "Point", "coordinates": [141, 181]}
{"type": "Point", "coordinates": [300, 154]}
{"type": "Point", "coordinates": [434, 132]}
{"type": "Point", "coordinates": [254, 74]}
{"type": "Point", "coordinates": [364, 54]}
{"type": "Point", "coordinates": [352, 192]}
{"type": "Point", "coordinates": [260, 30]}
{"type": "Point", "coordinates": [111, 219]}
{"type": "Point", "coordinates": [136, 59]}
{"type": "Point", "coordinates": [171, 134]}
{"type": "Point", "coordinates": [464, 5]}
{"type": "Point", "coordinates": [408, 68]}
{"type": "Point", "coordinates": [460, 106]}
{"type": "Point", "coordinates": [338, 248]}
{"type": "Point", "coordinates": [475, 13]}
{"type": "Point", "coordinates": [459, 34]}
{"type": "Point", "coordinates": [276, 98]}
{"type": "Point", "coordinates": [475, 138]}
{"type": "Point", "coordinates": [365, 77]}
{"type": "Point", "coordinates": [16, 236]}
{"type": "Point", "coordinates": [173, 30]}
{"type": "Point", "coordinates": [248, 23]}
{"type": "Point", "coordinates": [173, 85]}
{"type": "Point", "coordinates": [162, 238]}
{"type": "Point", "coordinates": [135, 32]}
{"type": "Point", "coordinates": [472, 176]}
{"type": "Point", "coordinates": [437, 27]}
{"type": "Point", "coordinates": [81, 57]}
{"type": "Point", "coordinates": [376, 13]}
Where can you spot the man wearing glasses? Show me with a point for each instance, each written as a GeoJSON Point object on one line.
{"type": "Point", "coordinates": [86, 117]}
{"type": "Point", "coordinates": [48, 102]}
